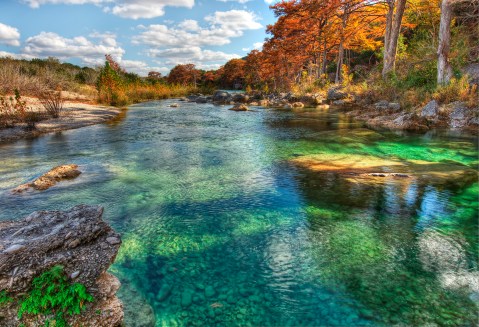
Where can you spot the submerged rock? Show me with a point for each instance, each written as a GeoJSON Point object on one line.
{"type": "Point", "coordinates": [51, 178]}
{"type": "Point", "coordinates": [138, 313]}
{"type": "Point", "coordinates": [75, 239]}
{"type": "Point", "coordinates": [174, 105]}
{"type": "Point", "coordinates": [371, 169]}
{"type": "Point", "coordinates": [239, 107]}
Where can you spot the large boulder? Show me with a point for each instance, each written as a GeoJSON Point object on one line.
{"type": "Point", "coordinates": [49, 179]}
{"type": "Point", "coordinates": [386, 105]}
{"type": "Point", "coordinates": [298, 105]}
{"type": "Point", "coordinates": [430, 111]}
{"type": "Point", "coordinates": [222, 97]}
{"type": "Point", "coordinates": [472, 71]}
{"type": "Point", "coordinates": [336, 93]}
{"type": "Point", "coordinates": [381, 105]}
{"type": "Point", "coordinates": [312, 99]}
{"type": "Point", "coordinates": [241, 98]}
{"type": "Point", "coordinates": [201, 99]}
{"type": "Point", "coordinates": [79, 241]}
{"type": "Point", "coordinates": [264, 103]}
{"type": "Point", "coordinates": [459, 115]}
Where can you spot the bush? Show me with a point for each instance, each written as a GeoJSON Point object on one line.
{"type": "Point", "coordinates": [53, 102]}
{"type": "Point", "coordinates": [14, 110]}
{"type": "Point", "coordinates": [457, 90]}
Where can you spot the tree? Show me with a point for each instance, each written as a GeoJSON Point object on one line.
{"type": "Point", "coordinates": [109, 81]}
{"type": "Point", "coordinates": [233, 73]}
{"type": "Point", "coordinates": [444, 68]}
{"type": "Point", "coordinates": [184, 74]}
{"type": "Point", "coordinates": [394, 17]}
{"type": "Point", "coordinates": [467, 11]}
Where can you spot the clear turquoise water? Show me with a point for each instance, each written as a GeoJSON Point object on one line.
{"type": "Point", "coordinates": [219, 228]}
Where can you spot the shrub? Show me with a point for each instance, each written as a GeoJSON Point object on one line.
{"type": "Point", "coordinates": [31, 118]}
{"type": "Point", "coordinates": [12, 110]}
{"type": "Point", "coordinates": [53, 102]}
{"type": "Point", "coordinates": [457, 90]}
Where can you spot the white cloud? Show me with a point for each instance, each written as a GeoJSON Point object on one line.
{"type": "Point", "coordinates": [133, 9]}
{"type": "Point", "coordinates": [51, 44]}
{"type": "Point", "coordinates": [239, 20]}
{"type": "Point", "coordinates": [256, 46]}
{"type": "Point", "coordinates": [38, 3]}
{"type": "Point", "coordinates": [222, 26]}
{"type": "Point", "coordinates": [191, 54]}
{"type": "Point", "coordinates": [4, 54]}
{"type": "Point", "coordinates": [9, 35]}
{"type": "Point", "coordinates": [141, 68]}
{"type": "Point", "coordinates": [239, 1]}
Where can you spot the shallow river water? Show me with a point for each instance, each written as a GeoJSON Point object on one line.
{"type": "Point", "coordinates": [222, 227]}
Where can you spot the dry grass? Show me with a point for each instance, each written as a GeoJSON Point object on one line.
{"type": "Point", "coordinates": [12, 78]}
{"type": "Point", "coordinates": [139, 92]}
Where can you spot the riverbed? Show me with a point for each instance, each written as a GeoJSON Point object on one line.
{"type": "Point", "coordinates": [227, 220]}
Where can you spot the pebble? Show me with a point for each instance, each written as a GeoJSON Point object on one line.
{"type": "Point", "coordinates": [75, 274]}
{"type": "Point", "coordinates": [186, 299]}
{"type": "Point", "coordinates": [14, 248]}
{"type": "Point", "coordinates": [164, 292]}
{"type": "Point", "coordinates": [209, 291]}
{"type": "Point", "coordinates": [113, 240]}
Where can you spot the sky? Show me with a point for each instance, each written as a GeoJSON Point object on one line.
{"type": "Point", "coordinates": [143, 35]}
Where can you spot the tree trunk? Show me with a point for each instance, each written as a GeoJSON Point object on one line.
{"type": "Point", "coordinates": [390, 46]}
{"type": "Point", "coordinates": [325, 58]}
{"type": "Point", "coordinates": [340, 61]}
{"type": "Point", "coordinates": [389, 22]}
{"type": "Point", "coordinates": [341, 47]}
{"type": "Point", "coordinates": [444, 69]}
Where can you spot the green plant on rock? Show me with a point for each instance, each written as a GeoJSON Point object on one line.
{"type": "Point", "coordinates": [54, 297]}
{"type": "Point", "coordinates": [4, 298]}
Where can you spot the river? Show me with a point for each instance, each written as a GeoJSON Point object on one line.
{"type": "Point", "coordinates": [221, 226]}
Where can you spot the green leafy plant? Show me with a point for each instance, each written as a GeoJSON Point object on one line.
{"type": "Point", "coordinates": [54, 297]}
{"type": "Point", "coordinates": [4, 298]}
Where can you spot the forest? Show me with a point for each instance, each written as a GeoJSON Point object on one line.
{"type": "Point", "coordinates": [398, 50]}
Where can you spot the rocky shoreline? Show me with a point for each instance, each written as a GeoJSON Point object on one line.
{"type": "Point", "coordinates": [380, 114]}
{"type": "Point", "coordinates": [79, 241]}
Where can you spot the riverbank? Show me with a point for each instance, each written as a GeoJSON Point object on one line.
{"type": "Point", "coordinates": [75, 114]}
{"type": "Point", "coordinates": [376, 114]}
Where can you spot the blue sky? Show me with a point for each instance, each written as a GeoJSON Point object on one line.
{"type": "Point", "coordinates": [143, 35]}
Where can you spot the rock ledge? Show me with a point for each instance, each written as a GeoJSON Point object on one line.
{"type": "Point", "coordinates": [77, 239]}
